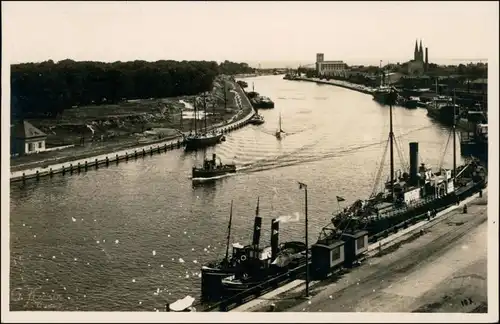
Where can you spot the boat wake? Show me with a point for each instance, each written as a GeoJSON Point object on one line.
{"type": "Point", "coordinates": [200, 180]}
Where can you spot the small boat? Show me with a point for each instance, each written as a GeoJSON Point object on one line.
{"type": "Point", "coordinates": [211, 169]}
{"type": "Point", "coordinates": [182, 305]}
{"type": "Point", "coordinates": [256, 119]}
{"type": "Point", "coordinates": [280, 131]}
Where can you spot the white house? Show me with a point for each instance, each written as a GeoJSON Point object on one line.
{"type": "Point", "coordinates": [26, 139]}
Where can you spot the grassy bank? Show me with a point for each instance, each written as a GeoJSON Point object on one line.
{"type": "Point", "coordinates": [134, 123]}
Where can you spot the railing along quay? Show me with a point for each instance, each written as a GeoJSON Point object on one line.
{"type": "Point", "coordinates": [86, 164]}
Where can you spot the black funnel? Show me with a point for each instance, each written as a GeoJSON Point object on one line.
{"type": "Point", "coordinates": [413, 163]}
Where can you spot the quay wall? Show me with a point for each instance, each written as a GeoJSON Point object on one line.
{"type": "Point", "coordinates": [342, 84]}
{"type": "Point", "coordinates": [94, 162]}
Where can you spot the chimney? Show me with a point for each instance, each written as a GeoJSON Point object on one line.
{"type": "Point", "coordinates": [413, 163]}
{"type": "Point", "coordinates": [426, 59]}
{"type": "Point", "coordinates": [275, 228]}
{"type": "Point", "coordinates": [213, 157]}
{"type": "Point", "coordinates": [256, 230]}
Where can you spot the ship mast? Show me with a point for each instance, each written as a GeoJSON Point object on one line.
{"type": "Point", "coordinates": [229, 230]}
{"type": "Point", "coordinates": [205, 110]}
{"type": "Point", "coordinates": [391, 139]}
{"type": "Point", "coordinates": [195, 117]}
{"type": "Point", "coordinates": [454, 141]}
{"type": "Point", "coordinates": [225, 97]}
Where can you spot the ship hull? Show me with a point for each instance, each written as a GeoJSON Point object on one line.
{"type": "Point", "coordinates": [381, 97]}
{"type": "Point", "coordinates": [200, 173]}
{"type": "Point", "coordinates": [412, 104]}
{"type": "Point", "coordinates": [211, 282]}
{"type": "Point", "coordinates": [477, 149]}
{"type": "Point", "coordinates": [264, 105]}
{"type": "Point", "coordinates": [443, 114]}
{"type": "Point", "coordinates": [194, 143]}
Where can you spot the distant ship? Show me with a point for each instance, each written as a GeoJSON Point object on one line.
{"type": "Point", "coordinates": [262, 102]}
{"type": "Point", "coordinates": [211, 169]}
{"type": "Point", "coordinates": [412, 102]}
{"type": "Point", "coordinates": [475, 143]}
{"type": "Point", "coordinates": [203, 139]}
{"type": "Point", "coordinates": [442, 109]}
{"type": "Point", "coordinates": [242, 84]}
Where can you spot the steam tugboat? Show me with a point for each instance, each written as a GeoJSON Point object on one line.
{"type": "Point", "coordinates": [268, 263]}
{"type": "Point", "coordinates": [251, 264]}
{"type": "Point", "coordinates": [213, 272]}
{"type": "Point", "coordinates": [211, 169]}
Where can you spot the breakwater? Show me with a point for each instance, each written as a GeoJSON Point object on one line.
{"type": "Point", "coordinates": [94, 162]}
{"type": "Point", "coordinates": [338, 83]}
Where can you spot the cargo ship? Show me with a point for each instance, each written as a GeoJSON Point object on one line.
{"type": "Point", "coordinates": [443, 109]}
{"type": "Point", "coordinates": [475, 143]}
{"type": "Point", "coordinates": [211, 169]}
{"type": "Point", "coordinates": [199, 140]}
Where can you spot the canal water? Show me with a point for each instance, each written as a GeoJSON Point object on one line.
{"type": "Point", "coordinates": [134, 236]}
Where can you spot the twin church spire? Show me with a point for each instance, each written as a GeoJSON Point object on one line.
{"type": "Point", "coordinates": [418, 54]}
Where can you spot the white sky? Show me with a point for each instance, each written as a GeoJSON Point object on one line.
{"type": "Point", "coordinates": [247, 31]}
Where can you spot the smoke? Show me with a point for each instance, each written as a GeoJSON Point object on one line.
{"type": "Point", "coordinates": [289, 219]}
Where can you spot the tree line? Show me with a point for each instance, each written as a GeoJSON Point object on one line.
{"type": "Point", "coordinates": [46, 89]}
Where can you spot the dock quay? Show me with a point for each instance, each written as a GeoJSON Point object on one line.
{"type": "Point", "coordinates": [421, 253]}
{"type": "Point", "coordinates": [338, 83]}
{"type": "Point", "coordinates": [293, 282]}
{"type": "Point", "coordinates": [93, 163]}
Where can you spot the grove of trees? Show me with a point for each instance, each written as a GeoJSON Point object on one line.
{"type": "Point", "coordinates": [44, 90]}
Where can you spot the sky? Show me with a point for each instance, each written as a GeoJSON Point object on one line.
{"type": "Point", "coordinates": [253, 32]}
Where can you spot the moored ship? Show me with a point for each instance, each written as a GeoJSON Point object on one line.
{"type": "Point", "coordinates": [269, 262]}
{"type": "Point", "coordinates": [412, 102]}
{"type": "Point", "coordinates": [443, 109]}
{"type": "Point", "coordinates": [381, 94]}
{"type": "Point", "coordinates": [475, 143]}
{"type": "Point", "coordinates": [198, 140]}
{"type": "Point", "coordinates": [212, 169]}
{"type": "Point", "coordinates": [262, 102]}
{"type": "Point", "coordinates": [256, 119]}
{"type": "Point", "coordinates": [213, 272]}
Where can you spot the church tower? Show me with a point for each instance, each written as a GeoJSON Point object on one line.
{"type": "Point", "coordinates": [420, 53]}
{"type": "Point", "coordinates": [415, 53]}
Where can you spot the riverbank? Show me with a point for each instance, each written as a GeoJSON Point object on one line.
{"type": "Point", "coordinates": [361, 289]}
{"type": "Point", "coordinates": [83, 158]}
{"type": "Point", "coordinates": [338, 83]}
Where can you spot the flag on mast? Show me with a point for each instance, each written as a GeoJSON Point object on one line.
{"type": "Point", "coordinates": [339, 199]}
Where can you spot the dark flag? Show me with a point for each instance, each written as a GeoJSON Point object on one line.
{"type": "Point", "coordinates": [339, 199]}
